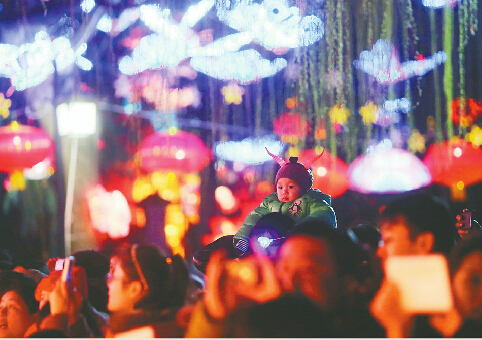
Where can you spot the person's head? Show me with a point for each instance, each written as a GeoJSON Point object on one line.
{"type": "Point", "coordinates": [96, 266]}
{"type": "Point", "coordinates": [272, 226]}
{"type": "Point", "coordinates": [17, 304]}
{"type": "Point", "coordinates": [293, 179]}
{"type": "Point", "coordinates": [465, 263]}
{"type": "Point", "coordinates": [25, 264]}
{"type": "Point", "coordinates": [317, 260]}
{"type": "Point", "coordinates": [415, 224]}
{"type": "Point", "coordinates": [289, 316]}
{"type": "Point", "coordinates": [142, 278]}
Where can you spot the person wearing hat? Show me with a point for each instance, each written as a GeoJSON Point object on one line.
{"type": "Point", "coordinates": [294, 197]}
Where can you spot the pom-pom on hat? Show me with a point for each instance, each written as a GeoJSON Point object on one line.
{"type": "Point", "coordinates": [298, 172]}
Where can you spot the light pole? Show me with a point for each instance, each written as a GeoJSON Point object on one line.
{"type": "Point", "coordinates": [77, 119]}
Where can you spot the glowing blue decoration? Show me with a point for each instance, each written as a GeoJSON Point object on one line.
{"type": "Point", "coordinates": [383, 63]}
{"type": "Point", "coordinates": [37, 60]}
{"type": "Point", "coordinates": [195, 12]}
{"type": "Point", "coordinates": [105, 23]}
{"type": "Point", "coordinates": [172, 43]}
{"type": "Point", "coordinates": [272, 23]}
{"type": "Point", "coordinates": [244, 67]}
{"type": "Point", "coordinates": [403, 104]}
{"type": "Point", "coordinates": [126, 18]}
{"type": "Point", "coordinates": [439, 3]}
{"type": "Point", "coordinates": [154, 51]}
{"type": "Point", "coordinates": [227, 44]}
{"type": "Point", "coordinates": [87, 5]}
{"type": "Point", "coordinates": [155, 18]}
{"type": "Point", "coordinates": [249, 150]}
{"type": "Point", "coordinates": [264, 242]}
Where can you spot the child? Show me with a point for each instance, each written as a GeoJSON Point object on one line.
{"type": "Point", "coordinates": [294, 197]}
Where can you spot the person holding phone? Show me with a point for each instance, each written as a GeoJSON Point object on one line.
{"type": "Point", "coordinates": [417, 224]}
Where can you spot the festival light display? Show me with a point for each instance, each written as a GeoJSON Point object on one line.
{"type": "Point", "coordinates": [22, 147]}
{"type": "Point", "coordinates": [272, 23]}
{"type": "Point", "coordinates": [384, 169]}
{"type": "Point", "coordinates": [109, 211]}
{"type": "Point", "coordinates": [37, 60]}
{"type": "Point", "coordinates": [249, 150]}
{"type": "Point", "coordinates": [245, 67]}
{"type": "Point", "coordinates": [383, 63]}
{"type": "Point", "coordinates": [233, 94]}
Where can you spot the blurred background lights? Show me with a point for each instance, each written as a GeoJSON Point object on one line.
{"type": "Point", "coordinates": [87, 5]}
{"type": "Point", "coordinates": [460, 185]}
{"type": "Point", "coordinates": [321, 171]}
{"type": "Point", "coordinates": [225, 198]}
{"type": "Point", "coordinates": [180, 154]}
{"type": "Point", "coordinates": [457, 152]}
{"type": "Point", "coordinates": [77, 118]}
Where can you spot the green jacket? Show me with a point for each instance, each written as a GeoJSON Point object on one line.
{"type": "Point", "coordinates": [313, 204]}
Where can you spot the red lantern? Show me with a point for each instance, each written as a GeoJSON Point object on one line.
{"type": "Point", "coordinates": [291, 125]}
{"type": "Point", "coordinates": [454, 161]}
{"type": "Point", "coordinates": [182, 151]}
{"type": "Point", "coordinates": [23, 146]}
{"type": "Point", "coordinates": [329, 173]}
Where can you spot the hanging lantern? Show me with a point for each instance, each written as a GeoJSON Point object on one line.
{"type": "Point", "coordinates": [454, 162]}
{"type": "Point", "coordinates": [385, 171]}
{"type": "Point", "coordinates": [181, 151]}
{"type": "Point", "coordinates": [329, 172]}
{"type": "Point", "coordinates": [291, 127]}
{"type": "Point", "coordinates": [22, 147]}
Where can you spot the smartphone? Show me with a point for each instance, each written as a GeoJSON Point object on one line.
{"type": "Point", "coordinates": [67, 270]}
{"type": "Point", "coordinates": [59, 264]}
{"type": "Point", "coordinates": [466, 219]}
{"type": "Point", "coordinates": [423, 282]}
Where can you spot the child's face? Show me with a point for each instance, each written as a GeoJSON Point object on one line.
{"type": "Point", "coordinates": [287, 190]}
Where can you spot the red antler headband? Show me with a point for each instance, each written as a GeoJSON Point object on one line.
{"type": "Point", "coordinates": [306, 164]}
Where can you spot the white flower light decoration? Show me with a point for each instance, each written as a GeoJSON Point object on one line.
{"type": "Point", "coordinates": [38, 60]}
{"type": "Point", "coordinates": [249, 150]}
{"type": "Point", "coordinates": [244, 67]}
{"type": "Point", "coordinates": [383, 63]}
{"type": "Point", "coordinates": [272, 23]}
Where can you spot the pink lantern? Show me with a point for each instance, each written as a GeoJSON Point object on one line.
{"type": "Point", "coordinates": [388, 171]}
{"type": "Point", "coordinates": [23, 146]}
{"type": "Point", "coordinates": [182, 151]}
{"type": "Point", "coordinates": [329, 172]}
{"type": "Point", "coordinates": [453, 161]}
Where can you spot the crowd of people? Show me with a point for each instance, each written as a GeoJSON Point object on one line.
{"type": "Point", "coordinates": [294, 273]}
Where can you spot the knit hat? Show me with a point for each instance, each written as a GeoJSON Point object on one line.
{"type": "Point", "coordinates": [298, 172]}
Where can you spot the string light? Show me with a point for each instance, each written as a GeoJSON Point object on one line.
{"type": "Point", "coordinates": [249, 150]}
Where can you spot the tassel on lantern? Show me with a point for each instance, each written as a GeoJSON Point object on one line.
{"type": "Point", "coordinates": [17, 181]}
